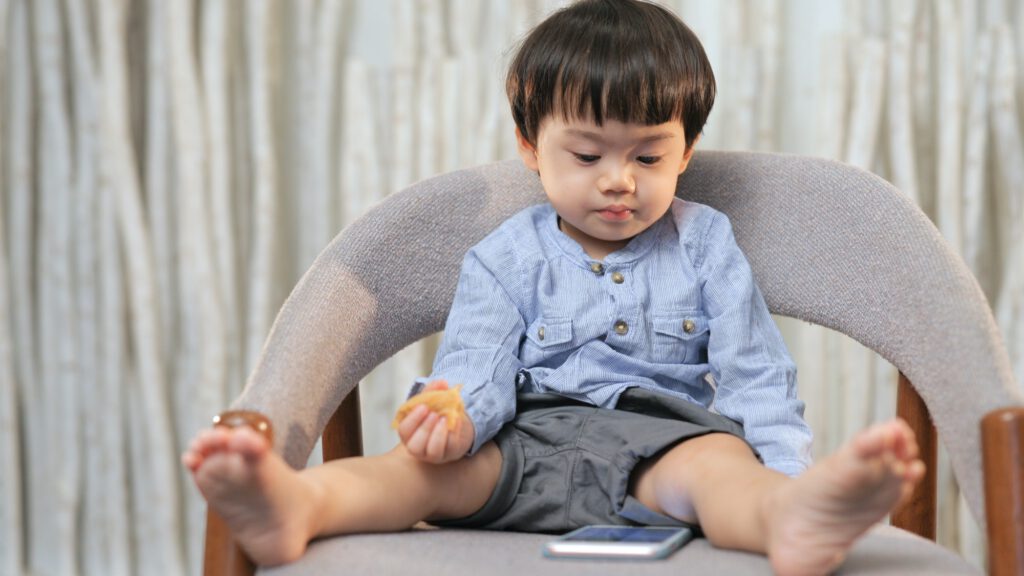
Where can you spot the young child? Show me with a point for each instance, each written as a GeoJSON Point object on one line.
{"type": "Point", "coordinates": [617, 362]}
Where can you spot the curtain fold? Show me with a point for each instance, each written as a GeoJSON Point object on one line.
{"type": "Point", "coordinates": [169, 169]}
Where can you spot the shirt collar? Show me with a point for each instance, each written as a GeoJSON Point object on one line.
{"type": "Point", "coordinates": [640, 245]}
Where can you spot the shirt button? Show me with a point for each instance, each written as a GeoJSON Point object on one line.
{"type": "Point", "coordinates": [621, 328]}
{"type": "Point", "coordinates": [618, 278]}
{"type": "Point", "coordinates": [540, 333]}
{"type": "Point", "coordinates": [597, 268]}
{"type": "Point", "coordinates": [689, 326]}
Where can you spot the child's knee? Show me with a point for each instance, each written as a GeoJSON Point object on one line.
{"type": "Point", "coordinates": [464, 486]}
{"type": "Point", "coordinates": [672, 471]}
{"type": "Point", "coordinates": [661, 489]}
{"type": "Point", "coordinates": [710, 447]}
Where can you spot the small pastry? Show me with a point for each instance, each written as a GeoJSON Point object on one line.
{"type": "Point", "coordinates": [447, 403]}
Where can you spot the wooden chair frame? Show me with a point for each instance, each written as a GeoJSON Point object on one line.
{"type": "Point", "coordinates": [827, 194]}
{"type": "Point", "coordinates": [1003, 445]}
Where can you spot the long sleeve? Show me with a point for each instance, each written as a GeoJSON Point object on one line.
{"type": "Point", "coordinates": [755, 376]}
{"type": "Point", "coordinates": [481, 343]}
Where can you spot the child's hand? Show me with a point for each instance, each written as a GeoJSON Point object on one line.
{"type": "Point", "coordinates": [426, 435]}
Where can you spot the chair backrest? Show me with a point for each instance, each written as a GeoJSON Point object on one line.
{"type": "Point", "coordinates": [829, 244]}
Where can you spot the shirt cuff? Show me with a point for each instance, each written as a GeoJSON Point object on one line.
{"type": "Point", "coordinates": [484, 428]}
{"type": "Point", "coordinates": [481, 433]}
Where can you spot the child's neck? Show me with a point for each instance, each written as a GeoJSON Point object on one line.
{"type": "Point", "coordinates": [596, 248]}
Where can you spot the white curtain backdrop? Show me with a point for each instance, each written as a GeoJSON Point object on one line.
{"type": "Point", "coordinates": [169, 168]}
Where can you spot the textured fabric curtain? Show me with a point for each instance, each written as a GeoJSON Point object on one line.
{"type": "Point", "coordinates": [168, 169]}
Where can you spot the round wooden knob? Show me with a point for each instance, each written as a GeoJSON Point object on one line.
{"type": "Point", "coordinates": [254, 420]}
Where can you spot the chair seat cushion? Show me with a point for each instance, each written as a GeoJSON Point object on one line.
{"type": "Point", "coordinates": [885, 550]}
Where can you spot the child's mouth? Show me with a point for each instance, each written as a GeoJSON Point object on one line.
{"type": "Point", "coordinates": [615, 213]}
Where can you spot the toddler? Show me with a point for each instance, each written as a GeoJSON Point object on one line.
{"type": "Point", "coordinates": [618, 363]}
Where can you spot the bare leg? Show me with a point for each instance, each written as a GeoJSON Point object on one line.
{"type": "Point", "coordinates": [805, 525]}
{"type": "Point", "coordinates": [274, 511]}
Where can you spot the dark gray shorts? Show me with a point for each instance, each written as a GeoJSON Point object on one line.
{"type": "Point", "coordinates": [566, 464]}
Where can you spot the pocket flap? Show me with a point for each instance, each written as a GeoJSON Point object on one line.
{"type": "Point", "coordinates": [545, 332]}
{"type": "Point", "coordinates": [682, 326]}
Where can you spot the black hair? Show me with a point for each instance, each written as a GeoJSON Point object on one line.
{"type": "Point", "coordinates": [624, 60]}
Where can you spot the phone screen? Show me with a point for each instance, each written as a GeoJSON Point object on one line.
{"type": "Point", "coordinates": [632, 542]}
{"type": "Point", "coordinates": [622, 534]}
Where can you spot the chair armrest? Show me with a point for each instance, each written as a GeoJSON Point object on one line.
{"type": "Point", "coordinates": [343, 435]}
{"type": "Point", "coordinates": [222, 556]}
{"type": "Point", "coordinates": [1002, 433]}
{"type": "Point", "coordinates": [917, 514]}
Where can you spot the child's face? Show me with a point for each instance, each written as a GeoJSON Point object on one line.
{"type": "Point", "coordinates": [608, 183]}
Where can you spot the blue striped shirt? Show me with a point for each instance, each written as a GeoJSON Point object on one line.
{"type": "Point", "coordinates": [676, 311]}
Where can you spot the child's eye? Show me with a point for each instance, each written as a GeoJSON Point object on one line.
{"type": "Point", "coordinates": [587, 158]}
{"type": "Point", "coordinates": [648, 160]}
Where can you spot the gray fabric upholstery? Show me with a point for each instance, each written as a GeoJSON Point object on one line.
{"type": "Point", "coordinates": [886, 551]}
{"type": "Point", "coordinates": [828, 243]}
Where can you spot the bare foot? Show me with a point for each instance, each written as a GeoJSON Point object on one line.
{"type": "Point", "coordinates": [816, 518]}
{"type": "Point", "coordinates": [267, 505]}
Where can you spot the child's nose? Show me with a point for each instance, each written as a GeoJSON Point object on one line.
{"type": "Point", "coordinates": [617, 180]}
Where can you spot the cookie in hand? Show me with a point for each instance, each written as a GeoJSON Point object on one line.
{"type": "Point", "coordinates": [446, 402]}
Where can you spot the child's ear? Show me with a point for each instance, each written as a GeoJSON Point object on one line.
{"type": "Point", "coordinates": [526, 151]}
{"type": "Point", "coordinates": [688, 154]}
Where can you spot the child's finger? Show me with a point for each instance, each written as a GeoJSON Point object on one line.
{"type": "Point", "coordinates": [417, 443]}
{"type": "Point", "coordinates": [436, 385]}
{"type": "Point", "coordinates": [461, 439]}
{"type": "Point", "coordinates": [438, 442]}
{"type": "Point", "coordinates": [412, 422]}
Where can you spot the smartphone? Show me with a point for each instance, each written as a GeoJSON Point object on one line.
{"type": "Point", "coordinates": [619, 542]}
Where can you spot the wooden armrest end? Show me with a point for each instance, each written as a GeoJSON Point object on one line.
{"type": "Point", "coordinates": [1002, 434]}
{"type": "Point", "coordinates": [917, 514]}
{"type": "Point", "coordinates": [222, 556]}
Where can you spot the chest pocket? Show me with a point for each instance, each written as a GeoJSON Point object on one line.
{"type": "Point", "coordinates": [546, 338]}
{"type": "Point", "coordinates": [681, 337]}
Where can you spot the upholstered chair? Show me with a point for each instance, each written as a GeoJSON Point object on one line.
{"type": "Point", "coordinates": [828, 243]}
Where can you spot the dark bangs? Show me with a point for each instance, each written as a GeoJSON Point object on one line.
{"type": "Point", "coordinates": [622, 60]}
